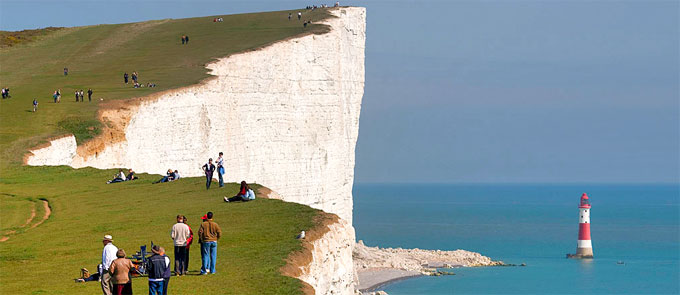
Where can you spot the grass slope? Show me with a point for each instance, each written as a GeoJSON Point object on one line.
{"type": "Point", "coordinates": [258, 236]}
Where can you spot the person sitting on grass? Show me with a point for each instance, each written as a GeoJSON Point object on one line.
{"type": "Point", "coordinates": [120, 177]}
{"type": "Point", "coordinates": [169, 176]}
{"type": "Point", "coordinates": [131, 175]}
{"type": "Point", "coordinates": [245, 194]}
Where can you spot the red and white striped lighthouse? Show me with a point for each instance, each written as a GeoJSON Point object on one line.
{"type": "Point", "coordinates": [584, 248]}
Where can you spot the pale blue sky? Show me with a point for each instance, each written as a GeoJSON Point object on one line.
{"type": "Point", "coordinates": [485, 91]}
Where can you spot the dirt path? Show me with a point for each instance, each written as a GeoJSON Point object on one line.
{"type": "Point", "coordinates": [48, 212]}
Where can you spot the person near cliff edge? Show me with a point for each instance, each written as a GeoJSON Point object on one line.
{"type": "Point", "coordinates": [209, 168]}
{"type": "Point", "coordinates": [208, 234]}
{"type": "Point", "coordinates": [220, 168]}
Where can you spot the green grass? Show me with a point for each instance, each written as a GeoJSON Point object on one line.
{"type": "Point", "coordinates": [258, 236]}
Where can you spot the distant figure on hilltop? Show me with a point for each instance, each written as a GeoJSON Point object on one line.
{"type": "Point", "coordinates": [82, 95]}
{"type": "Point", "coordinates": [89, 95]}
{"type": "Point", "coordinates": [125, 77]}
{"type": "Point", "coordinates": [299, 15]}
{"type": "Point", "coordinates": [290, 15]}
{"type": "Point", "coordinates": [135, 76]}
{"type": "Point", "coordinates": [65, 71]}
{"type": "Point", "coordinates": [184, 39]}
{"type": "Point", "coordinates": [77, 95]}
{"type": "Point", "coordinates": [35, 104]}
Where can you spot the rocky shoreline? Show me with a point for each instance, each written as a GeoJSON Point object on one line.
{"type": "Point", "coordinates": [377, 266]}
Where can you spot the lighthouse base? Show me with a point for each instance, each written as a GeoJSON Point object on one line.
{"type": "Point", "coordinates": [580, 256]}
{"type": "Point", "coordinates": [582, 253]}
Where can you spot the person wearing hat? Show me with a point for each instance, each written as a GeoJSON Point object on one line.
{"type": "Point", "coordinates": [208, 234]}
{"type": "Point", "coordinates": [120, 274]}
{"type": "Point", "coordinates": [108, 256]}
{"type": "Point", "coordinates": [180, 234]}
{"type": "Point", "coordinates": [156, 267]}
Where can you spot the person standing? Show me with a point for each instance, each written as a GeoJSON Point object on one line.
{"type": "Point", "coordinates": [108, 256]}
{"type": "Point", "coordinates": [190, 240]}
{"type": "Point", "coordinates": [299, 15]}
{"type": "Point", "coordinates": [186, 39]}
{"type": "Point", "coordinates": [35, 104]}
{"type": "Point", "coordinates": [77, 95]}
{"type": "Point", "coordinates": [209, 168]}
{"type": "Point", "coordinates": [183, 39]}
{"type": "Point", "coordinates": [89, 94]}
{"type": "Point", "coordinates": [180, 234]}
{"type": "Point", "coordinates": [220, 168]}
{"type": "Point", "coordinates": [120, 274]}
{"type": "Point", "coordinates": [82, 95]}
{"type": "Point", "coordinates": [156, 267]}
{"type": "Point", "coordinates": [208, 234]}
{"type": "Point", "coordinates": [134, 77]}
{"type": "Point", "coordinates": [290, 15]}
{"type": "Point", "coordinates": [125, 77]}
{"type": "Point", "coordinates": [167, 274]}
{"type": "Point", "coordinates": [65, 71]}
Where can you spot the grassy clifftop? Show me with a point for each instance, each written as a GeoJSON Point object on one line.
{"type": "Point", "coordinates": [258, 236]}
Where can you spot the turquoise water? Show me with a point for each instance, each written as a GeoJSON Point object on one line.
{"type": "Point", "coordinates": [533, 224]}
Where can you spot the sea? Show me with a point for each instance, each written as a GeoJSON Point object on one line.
{"type": "Point", "coordinates": [635, 231]}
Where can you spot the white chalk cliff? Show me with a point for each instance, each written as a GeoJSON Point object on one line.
{"type": "Point", "coordinates": [285, 116]}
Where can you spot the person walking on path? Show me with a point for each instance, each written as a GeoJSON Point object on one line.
{"type": "Point", "coordinates": [180, 234]}
{"type": "Point", "coordinates": [156, 266]}
{"type": "Point", "coordinates": [120, 274]}
{"type": "Point", "coordinates": [209, 168]}
{"type": "Point", "coordinates": [208, 235]}
{"type": "Point", "coordinates": [190, 240]}
{"type": "Point", "coordinates": [125, 77]}
{"type": "Point", "coordinates": [35, 104]}
{"type": "Point", "coordinates": [108, 256]}
{"type": "Point", "coordinates": [220, 168]}
{"type": "Point", "coordinates": [89, 94]}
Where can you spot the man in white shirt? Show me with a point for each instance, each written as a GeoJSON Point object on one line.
{"type": "Point", "coordinates": [108, 255]}
{"type": "Point", "coordinates": [180, 233]}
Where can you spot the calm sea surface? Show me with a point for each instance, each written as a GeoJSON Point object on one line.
{"type": "Point", "coordinates": [532, 224]}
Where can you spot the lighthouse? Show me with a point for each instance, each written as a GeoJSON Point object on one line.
{"type": "Point", "coordinates": [584, 248]}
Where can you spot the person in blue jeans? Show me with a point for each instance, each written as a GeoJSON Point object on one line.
{"type": "Point", "coordinates": [208, 234]}
{"type": "Point", "coordinates": [220, 168]}
{"type": "Point", "coordinates": [157, 266]}
{"type": "Point", "coordinates": [208, 168]}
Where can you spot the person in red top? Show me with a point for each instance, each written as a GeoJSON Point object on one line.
{"type": "Point", "coordinates": [189, 240]}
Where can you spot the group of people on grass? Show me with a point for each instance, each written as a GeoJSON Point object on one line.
{"type": "Point", "coordinates": [116, 269]}
{"type": "Point", "coordinates": [80, 95]}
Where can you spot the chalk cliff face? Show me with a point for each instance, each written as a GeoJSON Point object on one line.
{"type": "Point", "coordinates": [285, 116]}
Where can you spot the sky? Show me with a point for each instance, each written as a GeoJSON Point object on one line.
{"type": "Point", "coordinates": [484, 91]}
